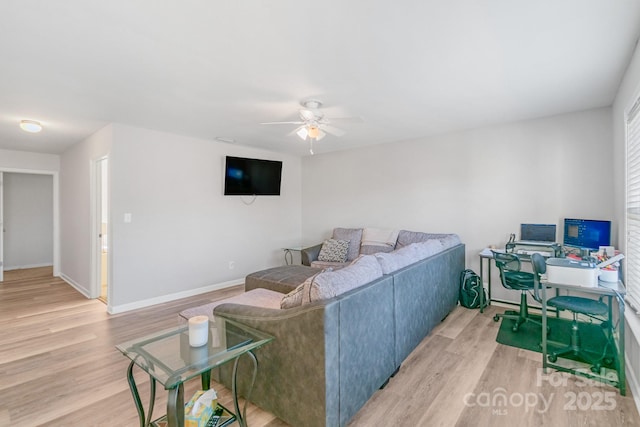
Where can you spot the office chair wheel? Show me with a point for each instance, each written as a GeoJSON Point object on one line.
{"type": "Point", "coordinates": [496, 318]}
{"type": "Point", "coordinates": [596, 367]}
{"type": "Point", "coordinates": [553, 358]}
{"type": "Point", "coordinates": [608, 361]}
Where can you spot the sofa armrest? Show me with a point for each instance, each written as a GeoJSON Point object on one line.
{"type": "Point", "coordinates": [310, 254]}
{"type": "Point", "coordinates": [298, 375]}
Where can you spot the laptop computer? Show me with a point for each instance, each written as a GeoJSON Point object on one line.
{"type": "Point", "coordinates": [537, 233]}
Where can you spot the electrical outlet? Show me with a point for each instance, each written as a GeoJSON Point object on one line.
{"type": "Point", "coordinates": [232, 265]}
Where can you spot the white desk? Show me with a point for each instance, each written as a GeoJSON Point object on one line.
{"type": "Point", "coordinates": [612, 291]}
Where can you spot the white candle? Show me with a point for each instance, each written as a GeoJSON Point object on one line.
{"type": "Point", "coordinates": [198, 331]}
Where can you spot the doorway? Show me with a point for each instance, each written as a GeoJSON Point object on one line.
{"type": "Point", "coordinates": [27, 219]}
{"type": "Point", "coordinates": [101, 229]}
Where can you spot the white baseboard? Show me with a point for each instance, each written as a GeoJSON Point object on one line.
{"type": "Point", "coordinates": [171, 297]}
{"type": "Point", "coordinates": [22, 267]}
{"type": "Point", "coordinates": [633, 386]}
{"type": "Point", "coordinates": [75, 285]}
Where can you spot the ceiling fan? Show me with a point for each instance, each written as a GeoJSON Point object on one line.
{"type": "Point", "coordinates": [312, 124]}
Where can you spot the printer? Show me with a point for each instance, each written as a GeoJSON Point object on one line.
{"type": "Point", "coordinates": [569, 271]}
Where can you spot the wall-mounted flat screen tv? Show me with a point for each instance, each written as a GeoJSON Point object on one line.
{"type": "Point", "coordinates": [586, 233]}
{"type": "Point", "coordinates": [252, 177]}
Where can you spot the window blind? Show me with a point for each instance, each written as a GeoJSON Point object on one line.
{"type": "Point", "coordinates": [632, 217]}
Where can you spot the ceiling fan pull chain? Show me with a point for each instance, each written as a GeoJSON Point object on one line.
{"type": "Point", "coordinates": [311, 146]}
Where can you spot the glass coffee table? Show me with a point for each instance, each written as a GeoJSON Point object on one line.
{"type": "Point", "coordinates": [169, 359]}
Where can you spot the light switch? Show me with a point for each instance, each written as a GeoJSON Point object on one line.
{"type": "Point", "coordinates": [127, 218]}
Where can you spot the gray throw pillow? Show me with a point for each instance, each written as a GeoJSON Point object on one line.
{"type": "Point", "coordinates": [354, 236]}
{"type": "Point", "coordinates": [334, 250]}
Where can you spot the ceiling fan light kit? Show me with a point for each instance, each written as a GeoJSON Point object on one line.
{"type": "Point", "coordinates": [314, 132]}
{"type": "Point", "coordinates": [313, 124]}
{"type": "Point", "coordinates": [302, 133]}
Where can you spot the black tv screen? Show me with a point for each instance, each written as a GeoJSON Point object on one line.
{"type": "Point", "coordinates": [252, 177]}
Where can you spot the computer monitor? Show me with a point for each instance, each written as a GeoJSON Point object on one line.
{"type": "Point", "coordinates": [545, 233]}
{"type": "Point", "coordinates": [586, 233]}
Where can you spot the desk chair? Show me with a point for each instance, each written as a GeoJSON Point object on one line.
{"type": "Point", "coordinates": [512, 278]}
{"type": "Point", "coordinates": [577, 305]}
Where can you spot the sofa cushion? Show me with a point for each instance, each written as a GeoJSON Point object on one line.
{"type": "Point", "coordinates": [334, 250]}
{"type": "Point", "coordinates": [354, 236]}
{"type": "Point", "coordinates": [392, 261]}
{"type": "Point", "coordinates": [428, 248]}
{"type": "Point", "coordinates": [406, 238]}
{"type": "Point", "coordinates": [375, 240]}
{"type": "Point", "coordinates": [329, 264]}
{"type": "Point", "coordinates": [259, 297]}
{"type": "Point", "coordinates": [283, 279]}
{"type": "Point", "coordinates": [329, 284]}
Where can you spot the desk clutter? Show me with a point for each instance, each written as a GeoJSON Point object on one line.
{"type": "Point", "coordinates": [590, 342]}
{"type": "Point", "coordinates": [564, 267]}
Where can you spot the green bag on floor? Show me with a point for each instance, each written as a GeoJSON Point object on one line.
{"type": "Point", "coordinates": [470, 288]}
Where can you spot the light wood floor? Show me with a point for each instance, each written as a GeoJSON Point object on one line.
{"type": "Point", "coordinates": [59, 367]}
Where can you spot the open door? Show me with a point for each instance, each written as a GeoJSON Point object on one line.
{"type": "Point", "coordinates": [101, 228]}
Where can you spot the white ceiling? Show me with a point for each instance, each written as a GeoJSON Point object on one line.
{"type": "Point", "coordinates": [408, 68]}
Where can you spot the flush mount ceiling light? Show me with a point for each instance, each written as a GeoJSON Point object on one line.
{"type": "Point", "coordinates": [30, 126]}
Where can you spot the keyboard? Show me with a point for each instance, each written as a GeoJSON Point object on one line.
{"type": "Point", "coordinates": [529, 253]}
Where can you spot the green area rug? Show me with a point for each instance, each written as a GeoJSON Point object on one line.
{"type": "Point", "coordinates": [528, 337]}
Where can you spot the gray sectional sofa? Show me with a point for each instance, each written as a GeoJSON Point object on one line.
{"type": "Point", "coordinates": [331, 354]}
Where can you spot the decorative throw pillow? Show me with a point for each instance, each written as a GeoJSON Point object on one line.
{"type": "Point", "coordinates": [354, 236]}
{"type": "Point", "coordinates": [334, 250]}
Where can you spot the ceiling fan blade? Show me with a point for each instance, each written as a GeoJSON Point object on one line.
{"type": "Point", "coordinates": [293, 132]}
{"type": "Point", "coordinates": [354, 119]}
{"type": "Point", "coordinates": [283, 123]}
{"type": "Point", "coordinates": [332, 130]}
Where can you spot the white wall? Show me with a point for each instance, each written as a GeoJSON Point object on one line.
{"type": "Point", "coordinates": [184, 232]}
{"type": "Point", "coordinates": [23, 161]}
{"type": "Point", "coordinates": [480, 184]}
{"type": "Point", "coordinates": [28, 220]}
{"type": "Point", "coordinates": [75, 207]}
